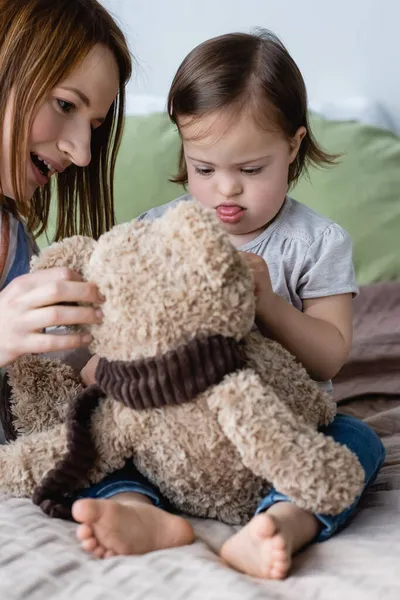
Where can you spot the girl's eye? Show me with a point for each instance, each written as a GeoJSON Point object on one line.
{"type": "Point", "coordinates": [253, 171]}
{"type": "Point", "coordinates": [65, 106]}
{"type": "Point", "coordinates": [203, 171]}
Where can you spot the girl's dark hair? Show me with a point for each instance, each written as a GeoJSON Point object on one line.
{"type": "Point", "coordinates": [241, 71]}
{"type": "Point", "coordinates": [41, 42]}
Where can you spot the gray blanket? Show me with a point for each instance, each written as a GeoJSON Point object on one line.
{"type": "Point", "coordinates": [40, 559]}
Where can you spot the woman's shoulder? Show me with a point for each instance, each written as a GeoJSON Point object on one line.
{"type": "Point", "coordinates": [16, 247]}
{"type": "Point", "coordinates": [7, 233]}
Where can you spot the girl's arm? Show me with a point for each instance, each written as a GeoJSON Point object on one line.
{"type": "Point", "coordinates": [89, 370]}
{"type": "Point", "coordinates": [319, 337]}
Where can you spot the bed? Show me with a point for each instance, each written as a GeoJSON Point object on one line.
{"type": "Point", "coordinates": [39, 557]}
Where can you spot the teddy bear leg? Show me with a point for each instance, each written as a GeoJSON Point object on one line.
{"type": "Point", "coordinates": [23, 463]}
{"type": "Point", "coordinates": [316, 472]}
{"type": "Point", "coordinates": [40, 391]}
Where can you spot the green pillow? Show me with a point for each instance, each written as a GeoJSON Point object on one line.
{"type": "Point", "coordinates": [360, 192]}
{"type": "Point", "coordinates": [147, 159]}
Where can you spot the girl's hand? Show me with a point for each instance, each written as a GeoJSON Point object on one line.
{"type": "Point", "coordinates": [88, 371]}
{"type": "Point", "coordinates": [262, 282]}
{"type": "Point", "coordinates": [33, 302]}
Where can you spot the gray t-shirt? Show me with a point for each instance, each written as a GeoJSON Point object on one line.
{"type": "Point", "coordinates": [308, 256]}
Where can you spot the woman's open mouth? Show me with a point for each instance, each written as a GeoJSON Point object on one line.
{"type": "Point", "coordinates": [41, 169]}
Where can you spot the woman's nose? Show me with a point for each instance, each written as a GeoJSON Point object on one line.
{"type": "Point", "coordinates": [77, 146]}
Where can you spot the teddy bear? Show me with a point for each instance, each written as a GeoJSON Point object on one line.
{"type": "Point", "coordinates": [209, 410]}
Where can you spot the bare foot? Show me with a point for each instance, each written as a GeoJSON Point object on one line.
{"type": "Point", "coordinates": [265, 546]}
{"type": "Point", "coordinates": [127, 524]}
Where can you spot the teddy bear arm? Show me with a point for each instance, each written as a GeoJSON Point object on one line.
{"type": "Point", "coordinates": [312, 469]}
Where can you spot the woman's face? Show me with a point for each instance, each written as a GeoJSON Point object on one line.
{"type": "Point", "coordinates": [61, 130]}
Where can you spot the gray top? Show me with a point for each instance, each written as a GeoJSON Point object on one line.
{"type": "Point", "coordinates": [308, 256]}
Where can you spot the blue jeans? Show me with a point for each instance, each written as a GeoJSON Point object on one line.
{"type": "Point", "coordinates": [346, 430]}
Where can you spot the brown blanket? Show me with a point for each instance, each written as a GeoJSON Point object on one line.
{"type": "Point", "coordinates": [374, 363]}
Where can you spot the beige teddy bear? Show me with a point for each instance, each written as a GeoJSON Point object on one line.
{"type": "Point", "coordinates": [210, 411]}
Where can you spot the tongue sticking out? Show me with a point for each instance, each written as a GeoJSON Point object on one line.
{"type": "Point", "coordinates": [230, 213]}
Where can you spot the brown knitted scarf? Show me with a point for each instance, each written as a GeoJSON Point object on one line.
{"type": "Point", "coordinates": [174, 378]}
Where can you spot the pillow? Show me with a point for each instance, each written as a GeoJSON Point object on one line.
{"type": "Point", "coordinates": [147, 159]}
{"type": "Point", "coordinates": [361, 193]}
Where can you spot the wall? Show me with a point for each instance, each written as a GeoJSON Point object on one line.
{"type": "Point", "coordinates": [345, 49]}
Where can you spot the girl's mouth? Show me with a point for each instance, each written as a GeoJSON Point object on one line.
{"type": "Point", "coordinates": [230, 213]}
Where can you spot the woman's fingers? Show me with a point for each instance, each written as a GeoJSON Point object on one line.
{"type": "Point", "coordinates": [50, 316]}
{"type": "Point", "coordinates": [38, 278]}
{"type": "Point", "coordinates": [52, 286]}
{"type": "Point", "coordinates": [60, 292]}
{"type": "Point", "coordinates": [40, 343]}
{"type": "Point", "coordinates": [44, 299]}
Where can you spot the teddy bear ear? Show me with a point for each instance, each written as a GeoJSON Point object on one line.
{"type": "Point", "coordinates": [73, 252]}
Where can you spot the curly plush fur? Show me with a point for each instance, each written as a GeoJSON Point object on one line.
{"type": "Point", "coordinates": [165, 283]}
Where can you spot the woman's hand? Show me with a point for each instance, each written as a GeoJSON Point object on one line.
{"type": "Point", "coordinates": [35, 301]}
{"type": "Point", "coordinates": [89, 370]}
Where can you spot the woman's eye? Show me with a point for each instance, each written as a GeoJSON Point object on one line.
{"type": "Point", "coordinates": [203, 171]}
{"type": "Point", "coordinates": [65, 106]}
{"type": "Point", "coordinates": [253, 171]}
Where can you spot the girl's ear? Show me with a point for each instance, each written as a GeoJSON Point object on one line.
{"type": "Point", "coordinates": [73, 252]}
{"type": "Point", "coordinates": [295, 143]}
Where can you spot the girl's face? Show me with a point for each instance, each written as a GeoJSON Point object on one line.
{"type": "Point", "coordinates": [238, 169]}
{"type": "Point", "coordinates": [61, 130]}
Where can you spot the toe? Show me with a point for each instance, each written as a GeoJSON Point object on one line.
{"type": "Point", "coordinates": [90, 544]}
{"type": "Point", "coordinates": [279, 570]}
{"type": "Point", "coordinates": [99, 552]}
{"type": "Point", "coordinates": [276, 574]}
{"type": "Point", "coordinates": [280, 561]}
{"type": "Point", "coordinates": [86, 511]}
{"type": "Point", "coordinates": [83, 532]}
{"type": "Point", "coordinates": [279, 558]}
{"type": "Point", "coordinates": [278, 543]}
{"type": "Point", "coordinates": [263, 526]}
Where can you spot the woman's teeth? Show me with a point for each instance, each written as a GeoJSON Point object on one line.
{"type": "Point", "coordinates": [44, 167]}
{"type": "Point", "coordinates": [48, 165]}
